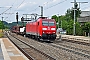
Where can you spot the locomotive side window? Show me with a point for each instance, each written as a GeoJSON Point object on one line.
{"type": "Point", "coordinates": [51, 23]}
{"type": "Point", "coordinates": [45, 23]}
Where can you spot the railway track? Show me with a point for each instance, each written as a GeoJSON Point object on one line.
{"type": "Point", "coordinates": [74, 50]}
{"type": "Point", "coordinates": [31, 52]}
{"type": "Point", "coordinates": [60, 49]}
{"type": "Point", "coordinates": [77, 39]}
{"type": "Point", "coordinates": [77, 42]}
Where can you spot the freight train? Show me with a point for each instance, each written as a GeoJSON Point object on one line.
{"type": "Point", "coordinates": [18, 29]}
{"type": "Point", "coordinates": [41, 29]}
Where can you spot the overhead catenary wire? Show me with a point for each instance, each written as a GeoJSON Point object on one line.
{"type": "Point", "coordinates": [20, 4]}
{"type": "Point", "coordinates": [9, 13]}
{"type": "Point", "coordinates": [56, 4]}
{"type": "Point", "coordinates": [36, 8]}
{"type": "Point", "coordinates": [12, 7]}
{"type": "Point", "coordinates": [85, 6]}
{"type": "Point", "coordinates": [49, 6]}
{"type": "Point", "coordinates": [6, 10]}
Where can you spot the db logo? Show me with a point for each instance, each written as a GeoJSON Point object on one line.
{"type": "Point", "coordinates": [48, 28]}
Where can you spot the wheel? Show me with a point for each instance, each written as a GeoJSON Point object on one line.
{"type": "Point", "coordinates": [37, 38]}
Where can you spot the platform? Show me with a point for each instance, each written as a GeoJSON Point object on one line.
{"type": "Point", "coordinates": [1, 54]}
{"type": "Point", "coordinates": [8, 51]}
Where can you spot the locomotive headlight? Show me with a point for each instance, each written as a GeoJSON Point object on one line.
{"type": "Point", "coordinates": [53, 32]}
{"type": "Point", "coordinates": [52, 28]}
{"type": "Point", "coordinates": [43, 32]}
{"type": "Point", "coordinates": [44, 28]}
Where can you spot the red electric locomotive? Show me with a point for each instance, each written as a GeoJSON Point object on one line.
{"type": "Point", "coordinates": [43, 29]}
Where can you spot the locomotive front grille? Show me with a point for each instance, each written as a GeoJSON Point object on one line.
{"type": "Point", "coordinates": [49, 36]}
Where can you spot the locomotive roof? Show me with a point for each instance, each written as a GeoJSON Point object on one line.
{"type": "Point", "coordinates": [43, 17]}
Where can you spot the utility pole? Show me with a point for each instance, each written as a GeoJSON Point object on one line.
{"type": "Point", "coordinates": [74, 18]}
{"type": "Point", "coordinates": [41, 11]}
{"type": "Point", "coordinates": [74, 28]}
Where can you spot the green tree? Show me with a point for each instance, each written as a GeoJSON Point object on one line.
{"type": "Point", "coordinates": [68, 14]}
{"type": "Point", "coordinates": [70, 27]}
{"type": "Point", "coordinates": [55, 17]}
{"type": "Point", "coordinates": [86, 28]}
{"type": "Point", "coordinates": [63, 22]}
{"type": "Point", "coordinates": [66, 21]}
{"type": "Point", "coordinates": [79, 30]}
{"type": "Point", "coordinates": [0, 24]}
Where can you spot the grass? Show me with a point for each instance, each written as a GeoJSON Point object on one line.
{"type": "Point", "coordinates": [1, 33]}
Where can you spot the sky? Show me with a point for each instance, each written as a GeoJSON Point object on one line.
{"type": "Point", "coordinates": [9, 8]}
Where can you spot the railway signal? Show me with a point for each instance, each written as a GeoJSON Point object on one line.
{"type": "Point", "coordinates": [22, 19]}
{"type": "Point", "coordinates": [17, 18]}
{"type": "Point", "coordinates": [75, 8]}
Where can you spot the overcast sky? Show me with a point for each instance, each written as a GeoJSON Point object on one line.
{"type": "Point", "coordinates": [8, 8]}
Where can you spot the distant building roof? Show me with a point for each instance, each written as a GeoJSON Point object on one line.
{"type": "Point", "coordinates": [85, 13]}
{"type": "Point", "coordinates": [84, 17]}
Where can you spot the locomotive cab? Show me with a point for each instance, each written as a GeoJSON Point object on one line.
{"type": "Point", "coordinates": [47, 29]}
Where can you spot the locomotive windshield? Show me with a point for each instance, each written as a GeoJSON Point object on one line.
{"type": "Point", "coordinates": [45, 23]}
{"type": "Point", "coordinates": [51, 23]}
{"type": "Point", "coordinates": [48, 23]}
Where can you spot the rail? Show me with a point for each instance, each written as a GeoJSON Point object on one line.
{"type": "Point", "coordinates": [76, 38]}
{"type": "Point", "coordinates": [51, 58]}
